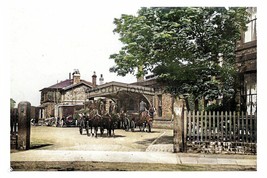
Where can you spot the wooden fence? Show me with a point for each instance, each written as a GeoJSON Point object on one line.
{"type": "Point", "coordinates": [220, 131]}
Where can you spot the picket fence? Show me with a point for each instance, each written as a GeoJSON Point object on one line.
{"type": "Point", "coordinates": [220, 131]}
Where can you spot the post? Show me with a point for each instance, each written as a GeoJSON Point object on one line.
{"type": "Point", "coordinates": [24, 125]}
{"type": "Point", "coordinates": [178, 127]}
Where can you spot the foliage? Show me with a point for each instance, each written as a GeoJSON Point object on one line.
{"type": "Point", "coordinates": [191, 50]}
{"type": "Point", "coordinates": [12, 103]}
{"type": "Point", "coordinates": [214, 107]}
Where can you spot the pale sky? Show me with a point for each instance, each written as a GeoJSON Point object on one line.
{"type": "Point", "coordinates": [47, 40]}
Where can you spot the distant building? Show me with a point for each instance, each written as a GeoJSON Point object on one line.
{"type": "Point", "coordinates": [59, 99]}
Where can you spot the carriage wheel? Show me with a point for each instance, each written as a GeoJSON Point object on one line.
{"type": "Point", "coordinates": [127, 127]}
{"type": "Point", "coordinates": [132, 125]}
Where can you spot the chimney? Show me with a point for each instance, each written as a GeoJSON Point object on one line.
{"type": "Point", "coordinates": [101, 79]}
{"type": "Point", "coordinates": [94, 80]}
{"type": "Point", "coordinates": [76, 76]}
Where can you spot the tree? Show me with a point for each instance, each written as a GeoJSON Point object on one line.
{"type": "Point", "coordinates": [191, 50]}
{"type": "Point", "coordinates": [12, 103]}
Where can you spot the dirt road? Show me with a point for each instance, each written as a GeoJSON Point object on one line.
{"type": "Point", "coordinates": [57, 138]}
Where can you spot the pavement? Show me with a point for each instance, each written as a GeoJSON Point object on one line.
{"type": "Point", "coordinates": [133, 157]}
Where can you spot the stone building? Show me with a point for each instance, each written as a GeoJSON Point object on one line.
{"type": "Point", "coordinates": [246, 63]}
{"type": "Point", "coordinates": [128, 97]}
{"type": "Point", "coordinates": [60, 99]}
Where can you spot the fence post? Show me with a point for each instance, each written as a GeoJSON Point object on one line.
{"type": "Point", "coordinates": [24, 125]}
{"type": "Point", "coordinates": [178, 127]}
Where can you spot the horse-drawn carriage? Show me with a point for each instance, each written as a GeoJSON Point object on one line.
{"type": "Point", "coordinates": [142, 120]}
{"type": "Point", "coordinates": [96, 118]}
{"type": "Point", "coordinates": [94, 121]}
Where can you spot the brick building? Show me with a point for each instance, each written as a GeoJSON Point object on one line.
{"type": "Point", "coordinates": [246, 63]}
{"type": "Point", "coordinates": [64, 96]}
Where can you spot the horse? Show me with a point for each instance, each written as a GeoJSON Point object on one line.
{"type": "Point", "coordinates": [108, 123]}
{"type": "Point", "coordinates": [147, 119]}
{"type": "Point", "coordinates": [96, 122]}
{"type": "Point", "coordinates": [84, 124]}
{"type": "Point", "coordinates": [142, 120]}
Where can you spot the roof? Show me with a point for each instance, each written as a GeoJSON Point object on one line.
{"type": "Point", "coordinates": [66, 84]}
{"type": "Point", "coordinates": [113, 88]}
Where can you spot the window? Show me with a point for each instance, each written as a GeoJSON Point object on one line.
{"type": "Point", "coordinates": [250, 85]}
{"type": "Point", "coordinates": [160, 105]}
{"type": "Point", "coordinates": [251, 33]}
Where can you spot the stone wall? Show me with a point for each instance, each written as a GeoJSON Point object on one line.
{"type": "Point", "coordinates": [222, 148]}
{"type": "Point", "coordinates": [75, 94]}
{"type": "Point", "coordinates": [167, 106]}
{"type": "Point", "coordinates": [246, 56]}
{"type": "Point", "coordinates": [49, 109]}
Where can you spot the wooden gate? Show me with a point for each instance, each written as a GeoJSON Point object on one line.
{"type": "Point", "coordinates": [217, 132]}
{"type": "Point", "coordinates": [14, 128]}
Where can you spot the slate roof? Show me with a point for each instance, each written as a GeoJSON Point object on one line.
{"type": "Point", "coordinates": [66, 84]}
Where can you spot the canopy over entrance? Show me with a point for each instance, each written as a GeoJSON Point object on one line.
{"type": "Point", "coordinates": [127, 96]}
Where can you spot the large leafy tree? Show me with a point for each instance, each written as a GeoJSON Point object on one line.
{"type": "Point", "coordinates": [191, 50]}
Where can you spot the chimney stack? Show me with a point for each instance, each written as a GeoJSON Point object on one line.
{"type": "Point", "coordinates": [76, 76]}
{"type": "Point", "coordinates": [94, 80]}
{"type": "Point", "coordinates": [101, 79]}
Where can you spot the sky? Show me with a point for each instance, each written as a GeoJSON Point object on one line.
{"type": "Point", "coordinates": [47, 41]}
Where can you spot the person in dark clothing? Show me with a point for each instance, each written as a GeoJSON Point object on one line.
{"type": "Point", "coordinates": [151, 111]}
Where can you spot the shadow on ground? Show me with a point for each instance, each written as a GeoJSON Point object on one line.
{"type": "Point", "coordinates": [40, 146]}
{"type": "Point", "coordinates": [152, 131]}
{"type": "Point", "coordinates": [165, 140]}
{"type": "Point", "coordinates": [146, 141]}
{"type": "Point", "coordinates": [105, 136]}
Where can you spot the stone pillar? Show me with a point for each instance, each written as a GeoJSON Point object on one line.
{"type": "Point", "coordinates": [24, 125]}
{"type": "Point", "coordinates": [178, 126]}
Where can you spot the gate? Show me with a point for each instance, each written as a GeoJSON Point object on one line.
{"type": "Point", "coordinates": [20, 126]}
{"type": "Point", "coordinates": [14, 128]}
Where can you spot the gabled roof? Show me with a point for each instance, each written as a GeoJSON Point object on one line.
{"type": "Point", "coordinates": [66, 84]}
{"type": "Point", "coordinates": [77, 84]}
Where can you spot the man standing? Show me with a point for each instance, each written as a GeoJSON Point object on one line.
{"type": "Point", "coordinates": [142, 106]}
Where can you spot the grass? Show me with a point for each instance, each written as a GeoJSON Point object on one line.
{"type": "Point", "coordinates": [104, 166]}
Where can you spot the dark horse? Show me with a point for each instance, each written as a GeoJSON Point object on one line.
{"type": "Point", "coordinates": [109, 123]}
{"type": "Point", "coordinates": [94, 123]}
{"type": "Point", "coordinates": [83, 124]}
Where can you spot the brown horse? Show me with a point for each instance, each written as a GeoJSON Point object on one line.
{"type": "Point", "coordinates": [147, 120]}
